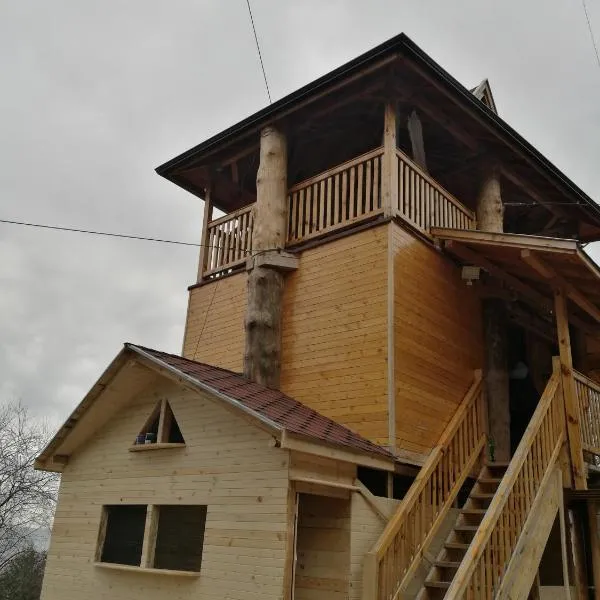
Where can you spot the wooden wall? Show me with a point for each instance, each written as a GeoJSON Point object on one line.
{"type": "Point", "coordinates": [334, 332]}
{"type": "Point", "coordinates": [438, 340]}
{"type": "Point", "coordinates": [227, 464]}
{"type": "Point", "coordinates": [367, 526]}
{"type": "Point", "coordinates": [214, 331]}
{"type": "Point", "coordinates": [323, 548]}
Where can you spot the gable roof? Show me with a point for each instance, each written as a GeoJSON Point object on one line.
{"type": "Point", "coordinates": [483, 92]}
{"type": "Point", "coordinates": [274, 409]}
{"type": "Point", "coordinates": [269, 405]}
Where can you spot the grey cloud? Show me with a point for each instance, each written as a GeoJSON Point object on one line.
{"type": "Point", "coordinates": [95, 95]}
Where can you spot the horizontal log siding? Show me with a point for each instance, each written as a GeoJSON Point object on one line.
{"type": "Point", "coordinates": [438, 340]}
{"type": "Point", "coordinates": [227, 465]}
{"type": "Point", "coordinates": [222, 329]}
{"type": "Point", "coordinates": [334, 332]}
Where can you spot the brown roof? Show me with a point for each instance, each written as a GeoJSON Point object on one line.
{"type": "Point", "coordinates": [267, 404]}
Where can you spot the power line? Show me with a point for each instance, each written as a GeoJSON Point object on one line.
{"type": "Point", "coordinates": [262, 66]}
{"type": "Point", "coordinates": [589, 23]}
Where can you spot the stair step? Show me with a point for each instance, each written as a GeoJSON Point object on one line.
{"type": "Point", "coordinates": [456, 546]}
{"type": "Point", "coordinates": [500, 464]}
{"type": "Point", "coordinates": [440, 585]}
{"type": "Point", "coordinates": [474, 511]}
{"type": "Point", "coordinates": [489, 480]}
{"type": "Point", "coordinates": [482, 495]}
{"type": "Point", "coordinates": [469, 528]}
{"type": "Point", "coordinates": [447, 564]}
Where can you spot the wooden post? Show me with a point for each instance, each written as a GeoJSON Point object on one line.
{"type": "Point", "coordinates": [490, 217]}
{"type": "Point", "coordinates": [389, 175]}
{"type": "Point", "coordinates": [204, 242]}
{"type": "Point", "coordinates": [563, 546]}
{"type": "Point", "coordinates": [577, 550]}
{"type": "Point", "coordinates": [569, 391]}
{"type": "Point", "coordinates": [490, 210]}
{"type": "Point", "coordinates": [265, 284]}
{"type": "Point", "coordinates": [592, 508]}
{"type": "Point", "coordinates": [415, 132]}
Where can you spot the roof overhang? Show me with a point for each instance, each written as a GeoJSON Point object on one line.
{"type": "Point", "coordinates": [533, 267]}
{"type": "Point", "coordinates": [399, 48]}
{"type": "Point", "coordinates": [134, 370]}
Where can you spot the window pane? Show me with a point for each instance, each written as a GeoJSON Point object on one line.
{"type": "Point", "coordinates": [180, 538]}
{"type": "Point", "coordinates": [124, 534]}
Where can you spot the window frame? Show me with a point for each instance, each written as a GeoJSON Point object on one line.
{"type": "Point", "coordinates": [149, 540]}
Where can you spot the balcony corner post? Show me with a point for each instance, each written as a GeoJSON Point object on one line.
{"type": "Point", "coordinates": [204, 241]}
{"type": "Point", "coordinates": [389, 175]}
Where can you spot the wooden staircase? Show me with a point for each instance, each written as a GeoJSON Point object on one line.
{"type": "Point", "coordinates": [458, 541]}
{"type": "Point", "coordinates": [494, 548]}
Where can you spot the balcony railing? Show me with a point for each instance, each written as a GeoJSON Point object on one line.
{"type": "Point", "coordinates": [339, 198]}
{"type": "Point", "coordinates": [335, 199]}
{"type": "Point", "coordinates": [424, 203]}
{"type": "Point", "coordinates": [228, 241]}
{"type": "Point", "coordinates": [588, 400]}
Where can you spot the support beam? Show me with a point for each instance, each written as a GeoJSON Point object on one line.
{"type": "Point", "coordinates": [206, 218]}
{"type": "Point", "coordinates": [389, 175]}
{"type": "Point", "coordinates": [415, 132]}
{"type": "Point", "coordinates": [262, 357]}
{"type": "Point", "coordinates": [577, 552]}
{"type": "Point", "coordinates": [545, 270]}
{"type": "Point", "coordinates": [569, 391]}
{"type": "Point", "coordinates": [490, 210]}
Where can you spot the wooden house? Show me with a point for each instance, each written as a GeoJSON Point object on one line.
{"type": "Point", "coordinates": [388, 383]}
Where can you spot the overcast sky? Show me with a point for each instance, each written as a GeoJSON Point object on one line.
{"type": "Point", "coordinates": [94, 95]}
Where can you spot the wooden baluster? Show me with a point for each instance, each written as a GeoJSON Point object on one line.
{"type": "Point", "coordinates": [360, 209]}
{"type": "Point", "coordinates": [322, 209]}
{"type": "Point", "coordinates": [351, 195]}
{"type": "Point", "coordinates": [376, 169]}
{"type": "Point", "coordinates": [345, 207]}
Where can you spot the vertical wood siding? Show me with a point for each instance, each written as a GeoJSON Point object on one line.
{"type": "Point", "coordinates": [438, 340]}
{"type": "Point", "coordinates": [227, 465]}
{"type": "Point", "coordinates": [334, 332]}
{"type": "Point", "coordinates": [214, 331]}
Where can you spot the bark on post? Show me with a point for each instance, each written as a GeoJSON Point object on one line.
{"type": "Point", "coordinates": [490, 217]}
{"type": "Point", "coordinates": [262, 356]}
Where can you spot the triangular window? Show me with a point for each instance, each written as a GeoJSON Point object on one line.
{"type": "Point", "coordinates": [161, 427]}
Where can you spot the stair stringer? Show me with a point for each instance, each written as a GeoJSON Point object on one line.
{"type": "Point", "coordinates": [524, 563]}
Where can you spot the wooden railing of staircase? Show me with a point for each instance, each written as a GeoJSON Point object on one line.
{"type": "Point", "coordinates": [487, 558]}
{"type": "Point", "coordinates": [412, 528]}
{"type": "Point", "coordinates": [588, 401]}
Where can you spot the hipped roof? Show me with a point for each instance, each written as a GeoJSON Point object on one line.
{"type": "Point", "coordinates": [401, 48]}
{"type": "Point", "coordinates": [270, 408]}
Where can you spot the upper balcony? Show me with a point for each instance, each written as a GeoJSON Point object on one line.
{"type": "Point", "coordinates": [341, 198]}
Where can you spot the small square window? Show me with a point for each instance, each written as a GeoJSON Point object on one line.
{"type": "Point", "coordinates": [180, 537]}
{"type": "Point", "coordinates": [124, 534]}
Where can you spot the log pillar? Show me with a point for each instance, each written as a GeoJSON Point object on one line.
{"type": "Point", "coordinates": [490, 217]}
{"type": "Point", "coordinates": [262, 356]}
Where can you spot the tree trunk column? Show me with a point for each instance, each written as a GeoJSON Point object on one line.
{"type": "Point", "coordinates": [262, 357]}
{"type": "Point", "coordinates": [490, 217]}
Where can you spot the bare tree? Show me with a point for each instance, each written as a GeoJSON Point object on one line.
{"type": "Point", "coordinates": [27, 497]}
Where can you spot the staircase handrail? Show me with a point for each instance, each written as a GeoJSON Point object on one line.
{"type": "Point", "coordinates": [396, 554]}
{"type": "Point", "coordinates": [487, 557]}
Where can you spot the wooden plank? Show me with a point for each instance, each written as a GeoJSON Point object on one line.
{"type": "Point", "coordinates": [540, 266]}
{"type": "Point", "coordinates": [150, 532]}
{"type": "Point", "coordinates": [569, 392]}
